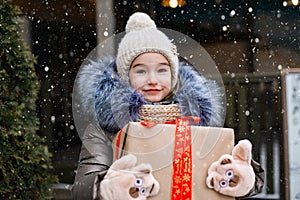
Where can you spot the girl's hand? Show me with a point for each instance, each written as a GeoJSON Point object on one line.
{"type": "Point", "coordinates": [126, 181]}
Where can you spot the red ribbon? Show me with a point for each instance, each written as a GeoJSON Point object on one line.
{"type": "Point", "coordinates": [151, 124]}
{"type": "Point", "coordinates": [182, 155]}
{"type": "Point", "coordinates": [118, 142]}
{"type": "Point", "coordinates": [182, 165]}
{"type": "Point", "coordinates": [189, 120]}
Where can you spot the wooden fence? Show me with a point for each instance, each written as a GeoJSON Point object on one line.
{"type": "Point", "coordinates": [254, 111]}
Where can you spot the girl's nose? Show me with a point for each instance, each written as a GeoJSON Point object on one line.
{"type": "Point", "coordinates": [152, 79]}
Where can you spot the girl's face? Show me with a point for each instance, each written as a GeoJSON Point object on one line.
{"type": "Point", "coordinates": [150, 75]}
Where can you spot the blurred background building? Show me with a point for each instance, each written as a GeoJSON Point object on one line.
{"type": "Point", "coordinates": [251, 41]}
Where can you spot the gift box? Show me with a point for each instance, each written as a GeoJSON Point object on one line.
{"type": "Point", "coordinates": [180, 155]}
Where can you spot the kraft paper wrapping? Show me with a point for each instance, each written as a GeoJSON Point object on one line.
{"type": "Point", "coordinates": [155, 145]}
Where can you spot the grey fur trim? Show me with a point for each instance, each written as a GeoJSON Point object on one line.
{"type": "Point", "coordinates": [199, 96]}
{"type": "Point", "coordinates": [86, 84]}
{"type": "Point", "coordinates": [110, 100]}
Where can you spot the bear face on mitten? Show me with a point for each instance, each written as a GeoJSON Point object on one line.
{"type": "Point", "coordinates": [233, 175]}
{"type": "Point", "coordinates": [126, 181]}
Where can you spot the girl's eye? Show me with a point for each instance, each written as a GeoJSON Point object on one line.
{"type": "Point", "coordinates": [140, 71]}
{"type": "Point", "coordinates": [139, 182]}
{"type": "Point", "coordinates": [229, 173]}
{"type": "Point", "coordinates": [162, 70]}
{"type": "Point", "coordinates": [223, 184]}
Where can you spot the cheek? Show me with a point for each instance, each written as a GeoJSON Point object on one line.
{"type": "Point", "coordinates": [166, 81]}
{"type": "Point", "coordinates": [136, 82]}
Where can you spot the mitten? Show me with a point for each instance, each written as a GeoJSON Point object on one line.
{"type": "Point", "coordinates": [126, 181]}
{"type": "Point", "coordinates": [233, 175]}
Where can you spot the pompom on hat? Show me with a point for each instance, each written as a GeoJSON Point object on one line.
{"type": "Point", "coordinates": [142, 36]}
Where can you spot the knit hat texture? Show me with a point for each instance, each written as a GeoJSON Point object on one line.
{"type": "Point", "coordinates": [142, 36]}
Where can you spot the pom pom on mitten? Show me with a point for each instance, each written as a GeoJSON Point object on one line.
{"type": "Point", "coordinates": [127, 181]}
{"type": "Point", "coordinates": [233, 175]}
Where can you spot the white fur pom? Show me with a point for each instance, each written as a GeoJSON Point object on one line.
{"type": "Point", "coordinates": [139, 21]}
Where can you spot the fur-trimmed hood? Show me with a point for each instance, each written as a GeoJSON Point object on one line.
{"type": "Point", "coordinates": [113, 103]}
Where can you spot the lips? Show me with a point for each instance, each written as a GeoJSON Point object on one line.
{"type": "Point", "coordinates": [149, 91]}
{"type": "Point", "coordinates": [152, 90]}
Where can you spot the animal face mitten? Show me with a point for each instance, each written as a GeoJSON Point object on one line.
{"type": "Point", "coordinates": [126, 181]}
{"type": "Point", "coordinates": [233, 175]}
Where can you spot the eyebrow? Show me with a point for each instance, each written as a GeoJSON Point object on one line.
{"type": "Point", "coordinates": [142, 64]}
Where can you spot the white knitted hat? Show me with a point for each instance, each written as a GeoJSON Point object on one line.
{"type": "Point", "coordinates": [143, 36]}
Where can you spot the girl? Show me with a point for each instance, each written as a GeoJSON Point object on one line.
{"type": "Point", "coordinates": [145, 73]}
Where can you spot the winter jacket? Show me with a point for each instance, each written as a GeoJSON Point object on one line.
{"type": "Point", "coordinates": [111, 103]}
